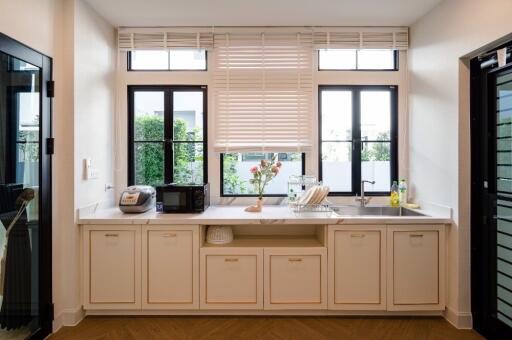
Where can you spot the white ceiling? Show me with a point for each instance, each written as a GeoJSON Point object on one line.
{"type": "Point", "coordinates": [262, 12]}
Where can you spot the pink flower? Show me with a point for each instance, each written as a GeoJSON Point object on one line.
{"type": "Point", "coordinates": [264, 163]}
{"type": "Point", "coordinates": [275, 169]}
{"type": "Point", "coordinates": [278, 164]}
{"type": "Point", "coordinates": [254, 169]}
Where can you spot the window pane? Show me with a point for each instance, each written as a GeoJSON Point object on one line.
{"type": "Point", "coordinates": [336, 115]}
{"type": "Point", "coordinates": [28, 116]}
{"type": "Point", "coordinates": [149, 116]}
{"type": "Point", "coordinates": [337, 59]}
{"type": "Point", "coordinates": [376, 166]}
{"type": "Point", "coordinates": [188, 163]}
{"type": "Point", "coordinates": [188, 116]}
{"type": "Point", "coordinates": [150, 60]}
{"type": "Point", "coordinates": [375, 59]}
{"type": "Point", "coordinates": [236, 172]}
{"type": "Point", "coordinates": [337, 166]}
{"type": "Point", "coordinates": [375, 115]}
{"type": "Point", "coordinates": [188, 59]}
{"type": "Point", "coordinates": [149, 163]}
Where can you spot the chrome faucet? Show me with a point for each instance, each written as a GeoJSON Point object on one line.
{"type": "Point", "coordinates": [364, 200]}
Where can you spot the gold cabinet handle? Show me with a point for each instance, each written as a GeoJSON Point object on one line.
{"type": "Point", "coordinates": [294, 259]}
{"type": "Point", "coordinates": [357, 235]}
{"type": "Point", "coordinates": [111, 235]}
{"type": "Point", "coordinates": [416, 235]}
{"type": "Point", "coordinates": [169, 235]}
{"type": "Point", "coordinates": [231, 260]}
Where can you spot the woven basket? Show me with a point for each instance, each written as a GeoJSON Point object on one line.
{"type": "Point", "coordinates": [219, 234]}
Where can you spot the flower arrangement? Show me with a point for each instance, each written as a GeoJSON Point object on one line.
{"type": "Point", "coordinates": [264, 173]}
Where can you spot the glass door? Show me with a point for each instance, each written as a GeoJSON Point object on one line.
{"type": "Point", "coordinates": [25, 202]}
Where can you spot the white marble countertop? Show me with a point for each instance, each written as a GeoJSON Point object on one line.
{"type": "Point", "coordinates": [235, 215]}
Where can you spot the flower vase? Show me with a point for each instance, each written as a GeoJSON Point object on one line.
{"type": "Point", "coordinates": [257, 207]}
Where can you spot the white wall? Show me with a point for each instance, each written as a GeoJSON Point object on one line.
{"type": "Point", "coordinates": [439, 120]}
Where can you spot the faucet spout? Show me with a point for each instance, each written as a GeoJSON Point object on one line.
{"type": "Point", "coordinates": [363, 200]}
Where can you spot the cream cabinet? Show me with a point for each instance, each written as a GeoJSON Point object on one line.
{"type": "Point", "coordinates": [231, 278]}
{"type": "Point", "coordinates": [170, 267]}
{"type": "Point", "coordinates": [112, 265]}
{"type": "Point", "coordinates": [295, 278]}
{"type": "Point", "coordinates": [416, 277]}
{"type": "Point", "coordinates": [357, 267]}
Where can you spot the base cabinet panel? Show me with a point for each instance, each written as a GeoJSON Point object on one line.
{"type": "Point", "coordinates": [231, 278]}
{"type": "Point", "coordinates": [170, 267]}
{"type": "Point", "coordinates": [357, 267]}
{"type": "Point", "coordinates": [112, 258]}
{"type": "Point", "coordinates": [295, 278]}
{"type": "Point", "coordinates": [416, 270]}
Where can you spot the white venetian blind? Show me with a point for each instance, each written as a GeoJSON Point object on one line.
{"type": "Point", "coordinates": [263, 92]}
{"type": "Point", "coordinates": [396, 38]}
{"type": "Point", "coordinates": [164, 38]}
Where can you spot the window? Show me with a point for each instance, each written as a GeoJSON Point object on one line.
{"type": "Point", "coordinates": [358, 138]}
{"type": "Point", "coordinates": [342, 59]}
{"type": "Point", "coordinates": [167, 135]}
{"type": "Point", "coordinates": [167, 60]}
{"type": "Point", "coordinates": [235, 174]}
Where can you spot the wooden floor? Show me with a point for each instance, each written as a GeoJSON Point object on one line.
{"type": "Point", "coordinates": [234, 328]}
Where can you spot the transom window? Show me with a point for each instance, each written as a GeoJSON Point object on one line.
{"type": "Point", "coordinates": [167, 60]}
{"type": "Point", "coordinates": [235, 172]}
{"type": "Point", "coordinates": [167, 135]}
{"type": "Point", "coordinates": [358, 138]}
{"type": "Point", "coordinates": [341, 59]}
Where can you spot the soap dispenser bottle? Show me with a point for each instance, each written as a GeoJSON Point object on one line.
{"type": "Point", "coordinates": [394, 196]}
{"type": "Point", "coordinates": [402, 190]}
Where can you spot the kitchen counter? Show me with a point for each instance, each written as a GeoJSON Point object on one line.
{"type": "Point", "coordinates": [235, 215]}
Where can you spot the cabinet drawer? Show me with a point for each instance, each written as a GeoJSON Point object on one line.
{"type": "Point", "coordinates": [170, 267]}
{"type": "Point", "coordinates": [357, 268]}
{"type": "Point", "coordinates": [112, 268]}
{"type": "Point", "coordinates": [231, 279]}
{"type": "Point", "coordinates": [295, 278]}
{"type": "Point", "coordinates": [417, 269]}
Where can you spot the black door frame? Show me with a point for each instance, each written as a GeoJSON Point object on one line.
{"type": "Point", "coordinates": [20, 51]}
{"type": "Point", "coordinates": [483, 201]}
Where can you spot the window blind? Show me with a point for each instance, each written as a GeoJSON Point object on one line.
{"type": "Point", "coordinates": [263, 87]}
{"type": "Point", "coordinates": [164, 38]}
{"type": "Point", "coordinates": [362, 38]}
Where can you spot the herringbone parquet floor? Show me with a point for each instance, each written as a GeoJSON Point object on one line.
{"type": "Point", "coordinates": [278, 328]}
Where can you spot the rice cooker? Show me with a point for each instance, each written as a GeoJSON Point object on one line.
{"type": "Point", "coordinates": [137, 199]}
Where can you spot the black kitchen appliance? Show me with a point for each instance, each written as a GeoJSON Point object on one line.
{"type": "Point", "coordinates": [182, 198]}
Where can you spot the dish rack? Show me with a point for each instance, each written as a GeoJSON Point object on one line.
{"type": "Point", "coordinates": [311, 208]}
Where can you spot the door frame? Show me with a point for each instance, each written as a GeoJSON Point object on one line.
{"type": "Point", "coordinates": [23, 52]}
{"type": "Point", "coordinates": [483, 228]}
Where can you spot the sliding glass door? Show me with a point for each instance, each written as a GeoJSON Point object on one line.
{"type": "Point", "coordinates": [25, 201]}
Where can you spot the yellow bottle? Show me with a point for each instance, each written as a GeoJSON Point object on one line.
{"type": "Point", "coordinates": [394, 198]}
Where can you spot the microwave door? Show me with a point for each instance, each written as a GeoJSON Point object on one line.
{"type": "Point", "coordinates": [175, 201]}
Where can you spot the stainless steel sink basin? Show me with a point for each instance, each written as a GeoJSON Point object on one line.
{"type": "Point", "coordinates": [374, 211]}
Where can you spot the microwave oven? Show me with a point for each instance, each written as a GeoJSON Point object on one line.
{"type": "Point", "coordinates": [178, 198]}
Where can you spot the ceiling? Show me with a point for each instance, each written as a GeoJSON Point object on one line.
{"type": "Point", "coordinates": [262, 12]}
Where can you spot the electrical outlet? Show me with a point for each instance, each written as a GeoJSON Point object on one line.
{"type": "Point", "coordinates": [89, 171]}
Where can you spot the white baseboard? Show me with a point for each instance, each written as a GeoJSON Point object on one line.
{"type": "Point", "coordinates": [68, 317]}
{"type": "Point", "coordinates": [461, 320]}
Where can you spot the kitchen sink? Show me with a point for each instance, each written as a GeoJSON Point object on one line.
{"type": "Point", "coordinates": [374, 211]}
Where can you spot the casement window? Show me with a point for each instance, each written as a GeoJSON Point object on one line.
{"type": "Point", "coordinates": [358, 136]}
{"type": "Point", "coordinates": [357, 60]}
{"type": "Point", "coordinates": [168, 60]}
{"type": "Point", "coordinates": [235, 174]}
{"type": "Point", "coordinates": [167, 135]}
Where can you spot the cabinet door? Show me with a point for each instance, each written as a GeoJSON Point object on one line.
{"type": "Point", "coordinates": [295, 278]}
{"type": "Point", "coordinates": [357, 267]}
{"type": "Point", "coordinates": [417, 262]}
{"type": "Point", "coordinates": [231, 278]}
{"type": "Point", "coordinates": [170, 267]}
{"type": "Point", "coordinates": [112, 267]}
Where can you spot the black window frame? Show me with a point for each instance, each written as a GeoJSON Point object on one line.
{"type": "Point", "coordinates": [356, 136]}
{"type": "Point", "coordinates": [169, 69]}
{"type": "Point", "coordinates": [396, 66]}
{"type": "Point", "coordinates": [168, 127]}
{"type": "Point", "coordinates": [222, 194]}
